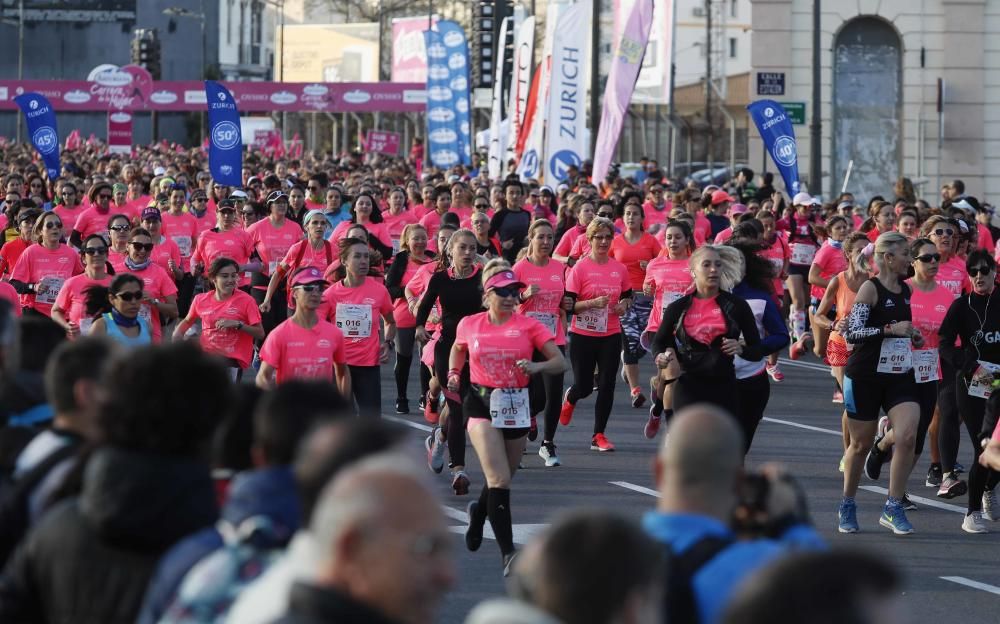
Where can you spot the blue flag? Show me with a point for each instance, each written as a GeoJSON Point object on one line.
{"type": "Point", "coordinates": [225, 145]}
{"type": "Point", "coordinates": [41, 121]}
{"type": "Point", "coordinates": [442, 127]}
{"type": "Point", "coordinates": [453, 38]}
{"type": "Point", "coordinates": [779, 138]}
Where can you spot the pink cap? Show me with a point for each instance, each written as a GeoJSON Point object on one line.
{"type": "Point", "coordinates": [736, 209]}
{"type": "Point", "coordinates": [504, 278]}
{"type": "Point", "coordinates": [307, 276]}
{"type": "Point", "coordinates": [721, 196]}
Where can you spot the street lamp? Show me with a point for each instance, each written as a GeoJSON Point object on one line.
{"type": "Point", "coordinates": [182, 12]}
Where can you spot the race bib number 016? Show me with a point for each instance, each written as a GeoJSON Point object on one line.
{"type": "Point", "coordinates": [354, 319]}
{"type": "Point", "coordinates": [594, 319]}
{"type": "Point", "coordinates": [509, 408]}
{"type": "Point", "coordinates": [895, 356]}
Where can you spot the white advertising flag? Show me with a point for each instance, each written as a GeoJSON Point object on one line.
{"type": "Point", "coordinates": [530, 165]}
{"type": "Point", "coordinates": [495, 157]}
{"type": "Point", "coordinates": [566, 137]}
{"type": "Point", "coordinates": [520, 84]}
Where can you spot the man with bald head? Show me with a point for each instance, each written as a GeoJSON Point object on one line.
{"type": "Point", "coordinates": [383, 548]}
{"type": "Point", "coordinates": [699, 476]}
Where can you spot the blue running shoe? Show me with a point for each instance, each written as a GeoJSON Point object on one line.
{"type": "Point", "coordinates": [848, 518]}
{"type": "Point", "coordinates": [894, 519]}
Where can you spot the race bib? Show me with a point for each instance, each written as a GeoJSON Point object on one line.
{"type": "Point", "coordinates": [85, 324]}
{"type": "Point", "coordinates": [395, 246]}
{"type": "Point", "coordinates": [184, 244]}
{"type": "Point", "coordinates": [925, 365]}
{"type": "Point", "coordinates": [895, 356]}
{"type": "Point", "coordinates": [146, 314]}
{"type": "Point", "coordinates": [272, 266]}
{"type": "Point", "coordinates": [354, 319]}
{"type": "Point", "coordinates": [594, 319]}
{"type": "Point", "coordinates": [982, 380]}
{"type": "Point", "coordinates": [545, 318]}
{"type": "Point", "coordinates": [670, 297]}
{"type": "Point", "coordinates": [803, 253]}
{"type": "Point", "coordinates": [47, 289]}
{"type": "Point", "coordinates": [509, 408]}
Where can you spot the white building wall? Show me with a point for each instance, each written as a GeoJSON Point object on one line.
{"type": "Point", "coordinates": [689, 50]}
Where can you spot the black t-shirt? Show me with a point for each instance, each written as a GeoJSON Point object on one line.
{"type": "Point", "coordinates": [459, 297]}
{"type": "Point", "coordinates": [889, 308]}
{"type": "Point", "coordinates": [511, 225]}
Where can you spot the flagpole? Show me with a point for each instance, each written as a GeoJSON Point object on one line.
{"type": "Point", "coordinates": [595, 102]}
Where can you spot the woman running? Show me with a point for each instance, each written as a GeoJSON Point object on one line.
{"type": "Point", "coordinates": [314, 251]}
{"type": "Point", "coordinates": [459, 291]}
{"type": "Point", "coordinates": [119, 226]}
{"type": "Point", "coordinates": [42, 269]}
{"type": "Point", "coordinates": [412, 255]}
{"type": "Point", "coordinates": [226, 240]}
{"type": "Point", "coordinates": [305, 346]}
{"type": "Point", "coordinates": [584, 211]}
{"type": "Point", "coordinates": [829, 261]}
{"type": "Point", "coordinates": [635, 249]}
{"type": "Point", "coordinates": [498, 346]}
{"type": "Point", "coordinates": [542, 300]}
{"type": "Point", "coordinates": [272, 238]}
{"type": "Point", "coordinates": [354, 304]}
{"type": "Point", "coordinates": [702, 331]}
{"type": "Point", "coordinates": [70, 308]}
{"type": "Point", "coordinates": [397, 217]}
{"type": "Point", "coordinates": [230, 320]}
{"type": "Point", "coordinates": [365, 211]}
{"type": "Point", "coordinates": [975, 320]}
{"type": "Point", "coordinates": [165, 251]}
{"type": "Point", "coordinates": [115, 311]}
{"type": "Point", "coordinates": [804, 244]}
{"type": "Point", "coordinates": [881, 219]}
{"type": "Point", "coordinates": [485, 246]}
{"type": "Point", "coordinates": [778, 252]}
{"type": "Point", "coordinates": [879, 376]}
{"type": "Point", "coordinates": [159, 289]}
{"type": "Point", "coordinates": [600, 292]}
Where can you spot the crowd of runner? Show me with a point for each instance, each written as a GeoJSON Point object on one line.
{"type": "Point", "coordinates": [513, 302]}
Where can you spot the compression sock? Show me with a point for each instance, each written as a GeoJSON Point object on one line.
{"type": "Point", "coordinates": [499, 515]}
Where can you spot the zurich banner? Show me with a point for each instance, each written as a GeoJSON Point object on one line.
{"type": "Point", "coordinates": [41, 122]}
{"type": "Point", "coordinates": [442, 124]}
{"type": "Point", "coordinates": [453, 38]}
{"type": "Point", "coordinates": [779, 138]}
{"type": "Point", "coordinates": [567, 142]}
{"type": "Point", "coordinates": [225, 146]}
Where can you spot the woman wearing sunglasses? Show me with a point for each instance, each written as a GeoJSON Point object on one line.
{"type": "Point", "coordinates": [42, 269]}
{"type": "Point", "coordinates": [305, 346]}
{"type": "Point", "coordinates": [70, 308]}
{"type": "Point", "coordinates": [119, 226]}
{"type": "Point", "coordinates": [272, 238]}
{"type": "Point", "coordinates": [228, 240]}
{"type": "Point", "coordinates": [499, 346]}
{"type": "Point", "coordinates": [165, 251]}
{"type": "Point", "coordinates": [230, 320]}
{"type": "Point", "coordinates": [93, 220]}
{"type": "Point", "coordinates": [160, 303]}
{"type": "Point", "coordinates": [486, 246]}
{"type": "Point", "coordinates": [115, 311]}
{"type": "Point", "coordinates": [975, 319]}
{"type": "Point", "coordinates": [314, 251]}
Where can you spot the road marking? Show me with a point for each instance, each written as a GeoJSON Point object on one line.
{"type": "Point", "coordinates": [408, 423]}
{"type": "Point", "coordinates": [930, 502]}
{"type": "Point", "coordinates": [635, 488]}
{"type": "Point", "coordinates": [823, 368]}
{"type": "Point", "coordinates": [522, 532]}
{"type": "Point", "coordinates": [961, 580]}
{"type": "Point", "coordinates": [801, 426]}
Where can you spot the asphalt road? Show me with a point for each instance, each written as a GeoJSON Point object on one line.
{"type": "Point", "coordinates": [949, 574]}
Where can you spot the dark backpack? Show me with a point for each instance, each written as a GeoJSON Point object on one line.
{"type": "Point", "coordinates": [14, 495]}
{"type": "Point", "coordinates": [681, 604]}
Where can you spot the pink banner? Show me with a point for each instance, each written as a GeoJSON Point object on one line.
{"type": "Point", "coordinates": [183, 96]}
{"type": "Point", "coordinates": [621, 82]}
{"type": "Point", "coordinates": [382, 142]}
{"type": "Point", "coordinates": [120, 132]}
{"type": "Point", "coordinates": [409, 57]}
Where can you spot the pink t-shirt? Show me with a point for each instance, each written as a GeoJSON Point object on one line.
{"type": "Point", "coordinates": [320, 258]}
{"type": "Point", "coordinates": [394, 225]}
{"type": "Point", "coordinates": [671, 279]}
{"type": "Point", "coordinates": [234, 244]}
{"type": "Point", "coordinates": [568, 238]}
{"type": "Point", "coordinates": [723, 236]}
{"type": "Point", "coordinates": [92, 221]}
{"type": "Point", "coordinates": [356, 312]}
{"type": "Point", "coordinates": [157, 284]}
{"type": "Point", "coordinates": [183, 230]}
{"type": "Point", "coordinates": [653, 216]}
{"type": "Point", "coordinates": [928, 310]}
{"type": "Point", "coordinates": [206, 221]}
{"type": "Point", "coordinates": [72, 299]}
{"type": "Point", "coordinates": [299, 353]}
{"type": "Point", "coordinates": [69, 215]}
{"type": "Point", "coordinates": [495, 349]}
{"type": "Point", "coordinates": [376, 230]}
{"type": "Point", "coordinates": [546, 305]}
{"type": "Point", "coordinates": [418, 284]}
{"type": "Point", "coordinates": [632, 254]}
{"type": "Point", "coordinates": [229, 343]}
{"type": "Point", "coordinates": [952, 275]}
{"type": "Point", "coordinates": [703, 320]}
{"type": "Point", "coordinates": [48, 269]}
{"type": "Point", "coordinates": [830, 261]}
{"type": "Point", "coordinates": [163, 252]}
{"type": "Point", "coordinates": [580, 248]}
{"type": "Point", "coordinates": [400, 308]}
{"type": "Point", "coordinates": [590, 280]}
{"type": "Point", "coordinates": [7, 292]}
{"type": "Point", "coordinates": [985, 239]}
{"type": "Point", "coordinates": [117, 260]}
{"type": "Point", "coordinates": [702, 228]}
{"type": "Point", "coordinates": [273, 243]}
{"type": "Point", "coordinates": [776, 253]}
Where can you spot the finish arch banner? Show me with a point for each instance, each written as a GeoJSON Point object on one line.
{"type": "Point", "coordinates": [225, 145]}
{"type": "Point", "coordinates": [566, 141]}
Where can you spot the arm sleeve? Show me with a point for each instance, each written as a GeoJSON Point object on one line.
{"type": "Point", "coordinates": [75, 238]}
{"type": "Point", "coordinates": [777, 331]}
{"type": "Point", "coordinates": [427, 300]}
{"type": "Point", "coordinates": [753, 349]}
{"type": "Point", "coordinates": [858, 330]}
{"type": "Point", "coordinates": [394, 278]}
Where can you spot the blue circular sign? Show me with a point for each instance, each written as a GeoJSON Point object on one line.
{"type": "Point", "coordinates": [45, 139]}
{"type": "Point", "coordinates": [784, 151]}
{"type": "Point", "coordinates": [530, 163]}
{"type": "Point", "coordinates": [561, 161]}
{"type": "Point", "coordinates": [226, 135]}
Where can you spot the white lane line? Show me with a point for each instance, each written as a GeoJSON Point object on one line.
{"type": "Point", "coordinates": [801, 426]}
{"type": "Point", "coordinates": [823, 368]}
{"type": "Point", "coordinates": [522, 532]}
{"type": "Point", "coordinates": [930, 502]}
{"type": "Point", "coordinates": [961, 580]}
{"type": "Point", "coordinates": [635, 488]}
{"type": "Point", "coordinates": [408, 423]}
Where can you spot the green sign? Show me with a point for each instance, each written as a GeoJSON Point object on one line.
{"type": "Point", "coordinates": [796, 112]}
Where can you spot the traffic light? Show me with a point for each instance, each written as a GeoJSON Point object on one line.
{"type": "Point", "coordinates": [487, 17]}
{"type": "Point", "coordinates": [146, 51]}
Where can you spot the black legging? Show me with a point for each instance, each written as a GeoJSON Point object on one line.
{"type": "Point", "coordinates": [545, 394]}
{"type": "Point", "coordinates": [754, 393]}
{"type": "Point", "coordinates": [720, 391]}
{"type": "Point", "coordinates": [404, 359]}
{"type": "Point", "coordinates": [585, 354]}
{"type": "Point", "coordinates": [279, 309]}
{"type": "Point", "coordinates": [185, 293]}
{"type": "Point", "coordinates": [366, 388]}
{"type": "Point", "coordinates": [455, 427]}
{"type": "Point", "coordinates": [927, 398]}
{"type": "Point", "coordinates": [949, 425]}
{"type": "Point", "coordinates": [973, 410]}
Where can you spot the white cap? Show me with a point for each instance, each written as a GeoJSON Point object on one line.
{"type": "Point", "coordinates": [802, 199]}
{"type": "Point", "coordinates": [238, 194]}
{"type": "Point", "coordinates": [159, 171]}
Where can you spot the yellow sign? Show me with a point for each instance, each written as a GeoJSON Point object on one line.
{"type": "Point", "coordinates": [327, 53]}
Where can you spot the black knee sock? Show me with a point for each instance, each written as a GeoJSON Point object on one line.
{"type": "Point", "coordinates": [402, 373]}
{"type": "Point", "coordinates": [499, 515]}
{"type": "Point", "coordinates": [667, 415]}
{"type": "Point", "coordinates": [482, 506]}
{"type": "Point", "coordinates": [425, 379]}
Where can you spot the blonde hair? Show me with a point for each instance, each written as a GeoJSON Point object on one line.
{"type": "Point", "coordinates": [494, 266]}
{"type": "Point", "coordinates": [600, 223]}
{"type": "Point", "coordinates": [733, 264]}
{"type": "Point", "coordinates": [408, 231]}
{"type": "Point", "coordinates": [883, 244]}
{"type": "Point", "coordinates": [536, 225]}
{"type": "Point", "coordinates": [39, 227]}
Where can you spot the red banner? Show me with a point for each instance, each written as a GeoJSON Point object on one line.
{"type": "Point", "coordinates": [382, 142]}
{"type": "Point", "coordinates": [120, 132]}
{"type": "Point", "coordinates": [182, 96]}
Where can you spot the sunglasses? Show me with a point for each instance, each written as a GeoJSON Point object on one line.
{"type": "Point", "coordinates": [944, 231]}
{"type": "Point", "coordinates": [103, 196]}
{"type": "Point", "coordinates": [506, 291]}
{"type": "Point", "coordinates": [120, 228]}
{"type": "Point", "coordinates": [129, 297]}
{"type": "Point", "coordinates": [483, 206]}
{"type": "Point", "coordinates": [95, 251]}
{"type": "Point", "coordinates": [249, 213]}
{"type": "Point", "coordinates": [932, 257]}
{"type": "Point", "coordinates": [977, 271]}
{"type": "Point", "coordinates": [53, 225]}
{"type": "Point", "coordinates": [142, 246]}
{"type": "Point", "coordinates": [606, 215]}
{"type": "Point", "coordinates": [199, 199]}
{"type": "Point", "coordinates": [311, 288]}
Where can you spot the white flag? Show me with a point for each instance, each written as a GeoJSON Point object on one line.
{"type": "Point", "coordinates": [495, 164]}
{"type": "Point", "coordinates": [566, 141]}
{"type": "Point", "coordinates": [520, 84]}
{"type": "Point", "coordinates": [530, 165]}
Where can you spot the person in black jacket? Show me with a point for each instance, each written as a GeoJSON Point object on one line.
{"type": "Point", "coordinates": [705, 329]}
{"type": "Point", "coordinates": [90, 558]}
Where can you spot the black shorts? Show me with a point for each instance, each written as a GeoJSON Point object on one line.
{"type": "Point", "coordinates": [865, 399]}
{"type": "Point", "coordinates": [799, 269]}
{"type": "Point", "coordinates": [477, 405]}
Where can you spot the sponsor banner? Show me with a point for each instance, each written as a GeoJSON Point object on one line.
{"type": "Point", "coordinates": [225, 145]}
{"type": "Point", "coordinates": [520, 83]}
{"type": "Point", "coordinates": [775, 127]}
{"type": "Point", "coordinates": [186, 96]}
{"type": "Point", "coordinates": [120, 88]}
{"type": "Point", "coordinates": [566, 141]}
{"type": "Point", "coordinates": [453, 38]}
{"type": "Point", "coordinates": [532, 158]}
{"type": "Point", "coordinates": [442, 126]}
{"type": "Point", "coordinates": [653, 84]}
{"type": "Point", "coordinates": [494, 158]}
{"type": "Point", "coordinates": [409, 56]}
{"type": "Point", "coordinates": [120, 132]}
{"type": "Point", "coordinates": [382, 142]}
{"type": "Point", "coordinates": [40, 118]}
{"type": "Point", "coordinates": [327, 52]}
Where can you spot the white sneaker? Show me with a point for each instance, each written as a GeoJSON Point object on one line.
{"type": "Point", "coordinates": [991, 509]}
{"type": "Point", "coordinates": [974, 523]}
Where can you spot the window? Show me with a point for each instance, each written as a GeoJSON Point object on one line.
{"type": "Point", "coordinates": [732, 47]}
{"type": "Point", "coordinates": [229, 23]}
{"type": "Point", "coordinates": [732, 8]}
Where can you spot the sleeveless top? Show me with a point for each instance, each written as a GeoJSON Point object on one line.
{"type": "Point", "coordinates": [115, 333]}
{"type": "Point", "coordinates": [843, 303]}
{"type": "Point", "coordinates": [890, 307]}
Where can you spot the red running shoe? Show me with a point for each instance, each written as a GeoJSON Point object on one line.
{"type": "Point", "coordinates": [566, 413]}
{"type": "Point", "coordinates": [431, 410]}
{"type": "Point", "coordinates": [601, 443]}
